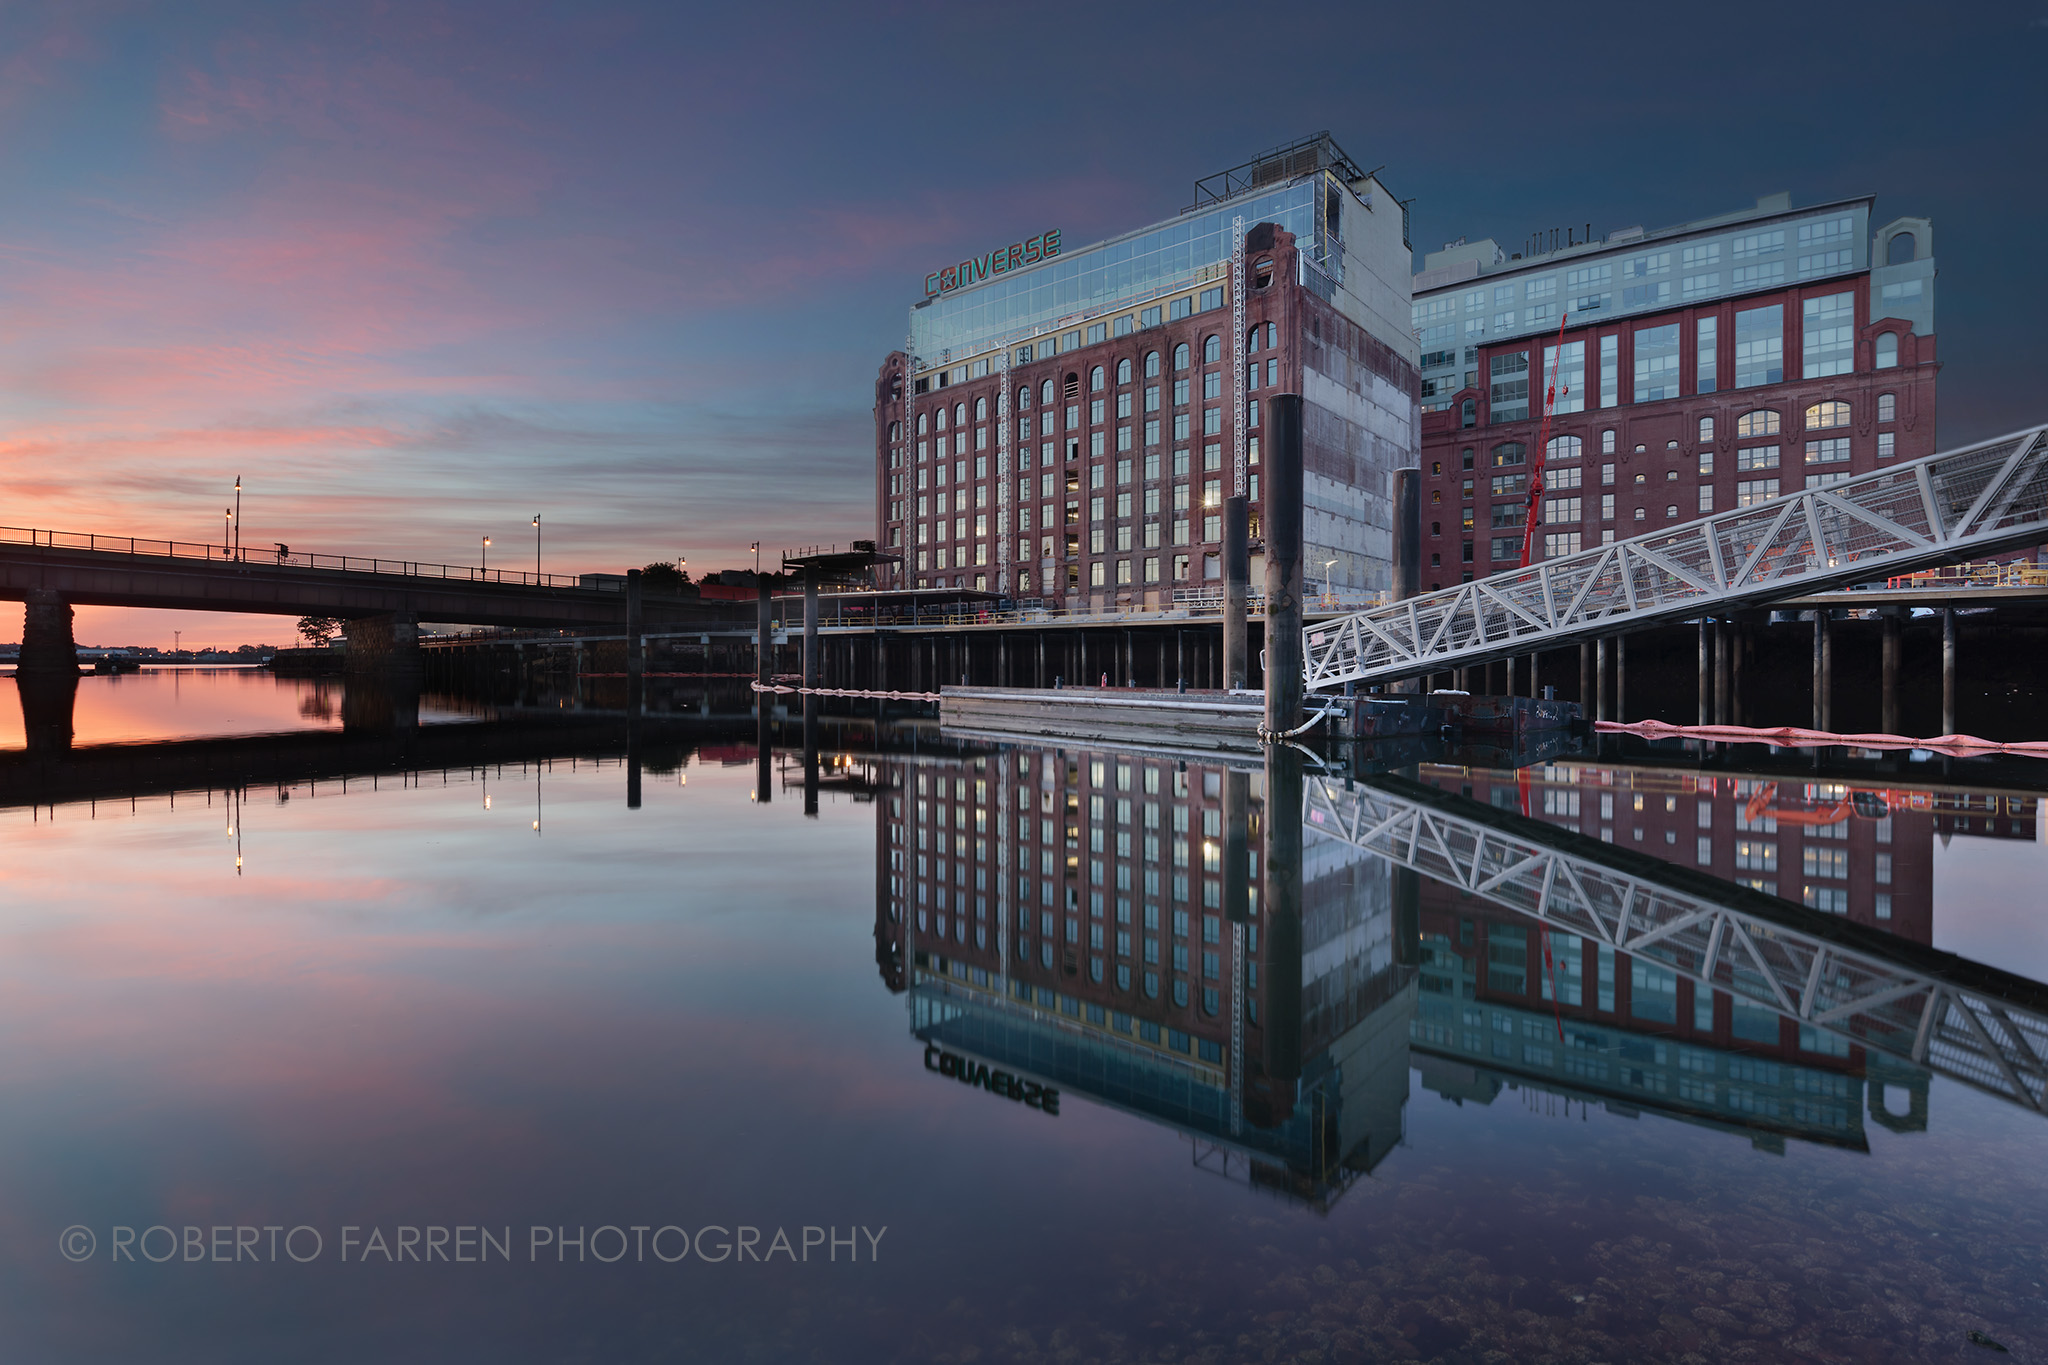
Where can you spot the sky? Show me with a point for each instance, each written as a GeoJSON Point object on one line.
{"type": "Point", "coordinates": [417, 272]}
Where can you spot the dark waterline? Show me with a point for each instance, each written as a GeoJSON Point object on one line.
{"type": "Point", "coordinates": [487, 994]}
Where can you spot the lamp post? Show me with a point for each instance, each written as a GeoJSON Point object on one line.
{"type": "Point", "coordinates": [487, 556]}
{"type": "Point", "coordinates": [1328, 595]}
{"type": "Point", "coordinates": [238, 516]}
{"type": "Point", "coordinates": [536, 549]}
{"type": "Point", "coordinates": [227, 532]}
{"type": "Point", "coordinates": [757, 557]}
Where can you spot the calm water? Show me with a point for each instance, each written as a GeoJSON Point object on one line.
{"type": "Point", "coordinates": [400, 999]}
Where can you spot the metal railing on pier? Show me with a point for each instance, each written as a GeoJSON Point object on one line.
{"type": "Point", "coordinates": [284, 557]}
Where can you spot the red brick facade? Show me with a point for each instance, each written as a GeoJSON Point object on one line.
{"type": "Point", "coordinates": [1659, 448]}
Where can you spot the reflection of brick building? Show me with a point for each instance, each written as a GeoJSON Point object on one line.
{"type": "Point", "coordinates": [1637, 1033]}
{"type": "Point", "coordinates": [1864, 852]}
{"type": "Point", "coordinates": [1062, 914]}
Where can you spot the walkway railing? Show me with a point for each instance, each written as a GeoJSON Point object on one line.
{"type": "Point", "coordinates": [282, 557]}
{"type": "Point", "coordinates": [1973, 501]}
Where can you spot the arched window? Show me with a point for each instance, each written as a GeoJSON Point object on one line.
{"type": "Point", "coordinates": [1468, 413]}
{"type": "Point", "coordinates": [1887, 350]}
{"type": "Point", "coordinates": [1212, 349]}
{"type": "Point", "coordinates": [1180, 356]}
{"type": "Point", "coordinates": [1123, 370]}
{"type": "Point", "coordinates": [1436, 497]}
{"type": "Point", "coordinates": [1821, 416]}
{"type": "Point", "coordinates": [1671, 512]}
{"type": "Point", "coordinates": [1251, 345]}
{"type": "Point", "coordinates": [1607, 442]}
{"type": "Point", "coordinates": [1151, 364]}
{"type": "Point", "coordinates": [1509, 452]}
{"type": "Point", "coordinates": [1045, 392]}
{"type": "Point", "coordinates": [1706, 430]}
{"type": "Point", "coordinates": [1563, 448]}
{"type": "Point", "coordinates": [1095, 379]}
{"type": "Point", "coordinates": [1070, 387]}
{"type": "Point", "coordinates": [942, 419]}
{"type": "Point", "coordinates": [895, 431]}
{"type": "Point", "coordinates": [1435, 466]}
{"type": "Point", "coordinates": [1436, 528]}
{"type": "Point", "coordinates": [981, 409]}
{"type": "Point", "coordinates": [1899, 251]}
{"type": "Point", "coordinates": [1762, 422]}
{"type": "Point", "coordinates": [1024, 398]}
{"type": "Point", "coordinates": [1641, 515]}
{"type": "Point", "coordinates": [959, 414]}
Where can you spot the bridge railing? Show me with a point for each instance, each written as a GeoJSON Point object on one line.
{"type": "Point", "coordinates": [285, 557]}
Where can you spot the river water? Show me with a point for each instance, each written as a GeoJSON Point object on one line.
{"type": "Point", "coordinates": [538, 1037]}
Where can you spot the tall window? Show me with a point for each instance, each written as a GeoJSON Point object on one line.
{"type": "Point", "coordinates": [1610, 371]}
{"type": "Point", "coordinates": [1760, 346]}
{"type": "Point", "coordinates": [1656, 363]}
{"type": "Point", "coordinates": [1887, 407]}
{"type": "Point", "coordinates": [1509, 397]}
{"type": "Point", "coordinates": [1707, 356]}
{"type": "Point", "coordinates": [1151, 364]}
{"type": "Point", "coordinates": [1887, 350]}
{"type": "Point", "coordinates": [1706, 430]}
{"type": "Point", "coordinates": [1570, 375]}
{"type": "Point", "coordinates": [1828, 340]}
{"type": "Point", "coordinates": [1212, 349]}
{"type": "Point", "coordinates": [1180, 356]}
{"type": "Point", "coordinates": [1123, 371]}
{"type": "Point", "coordinates": [1821, 416]}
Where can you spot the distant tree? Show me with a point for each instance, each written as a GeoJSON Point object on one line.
{"type": "Point", "coordinates": [663, 578]}
{"type": "Point", "coordinates": [319, 631]}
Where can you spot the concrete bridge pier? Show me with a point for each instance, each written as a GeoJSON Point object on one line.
{"type": "Point", "coordinates": [48, 702]}
{"type": "Point", "coordinates": [47, 646]}
{"type": "Point", "coordinates": [383, 670]}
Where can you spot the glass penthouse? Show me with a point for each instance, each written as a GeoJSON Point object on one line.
{"type": "Point", "coordinates": [1067, 420]}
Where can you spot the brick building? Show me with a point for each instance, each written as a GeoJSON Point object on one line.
{"type": "Point", "coordinates": [1066, 422]}
{"type": "Point", "coordinates": [1700, 368]}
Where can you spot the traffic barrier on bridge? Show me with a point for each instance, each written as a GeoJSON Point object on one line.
{"type": "Point", "coordinates": [1789, 736]}
{"type": "Point", "coordinates": [847, 692]}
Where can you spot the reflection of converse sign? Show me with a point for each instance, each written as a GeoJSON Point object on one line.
{"type": "Point", "coordinates": [1003, 259]}
{"type": "Point", "coordinates": [969, 1072]}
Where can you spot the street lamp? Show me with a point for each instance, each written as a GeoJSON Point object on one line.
{"type": "Point", "coordinates": [536, 549]}
{"type": "Point", "coordinates": [487, 556]}
{"type": "Point", "coordinates": [757, 557]}
{"type": "Point", "coordinates": [1329, 595]}
{"type": "Point", "coordinates": [238, 516]}
{"type": "Point", "coordinates": [227, 532]}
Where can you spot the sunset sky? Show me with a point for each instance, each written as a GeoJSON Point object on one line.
{"type": "Point", "coordinates": [417, 272]}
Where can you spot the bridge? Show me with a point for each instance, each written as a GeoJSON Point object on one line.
{"type": "Point", "coordinates": [1972, 1023]}
{"type": "Point", "coordinates": [1976, 500]}
{"type": "Point", "coordinates": [380, 601]}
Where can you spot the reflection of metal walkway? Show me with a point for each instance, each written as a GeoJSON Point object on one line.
{"type": "Point", "coordinates": [1966, 1021]}
{"type": "Point", "coordinates": [1969, 502]}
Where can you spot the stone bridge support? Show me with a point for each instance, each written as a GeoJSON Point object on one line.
{"type": "Point", "coordinates": [384, 671]}
{"type": "Point", "coordinates": [47, 646]}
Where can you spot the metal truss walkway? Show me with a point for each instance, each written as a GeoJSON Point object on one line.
{"type": "Point", "coordinates": [1947, 508]}
{"type": "Point", "coordinates": [1972, 1023]}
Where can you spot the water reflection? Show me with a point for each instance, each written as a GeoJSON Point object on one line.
{"type": "Point", "coordinates": [1257, 959]}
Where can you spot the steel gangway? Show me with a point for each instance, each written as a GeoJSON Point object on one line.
{"type": "Point", "coordinates": [1976, 1024]}
{"type": "Point", "coordinates": [1975, 500]}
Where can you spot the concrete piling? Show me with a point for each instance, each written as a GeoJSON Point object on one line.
{"type": "Point", "coordinates": [1283, 562]}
